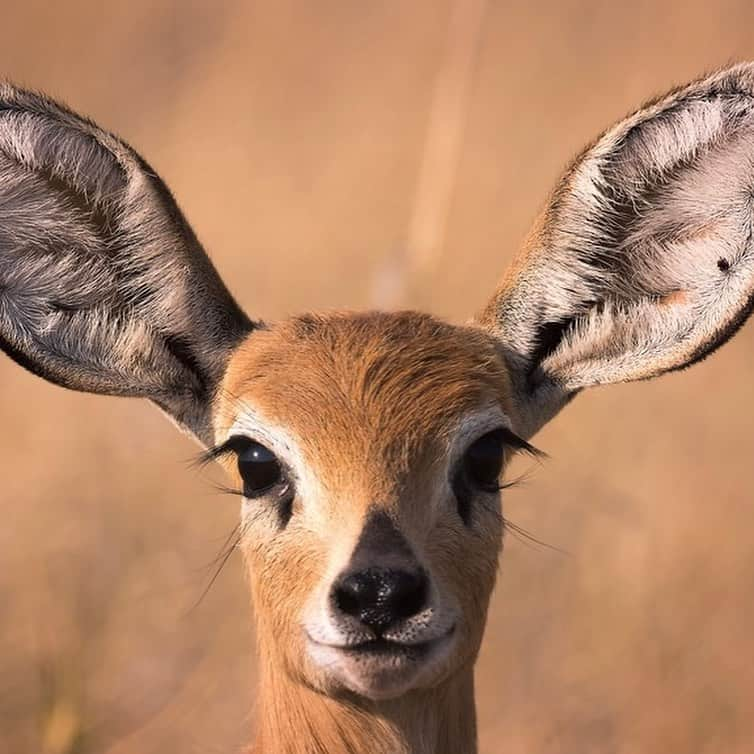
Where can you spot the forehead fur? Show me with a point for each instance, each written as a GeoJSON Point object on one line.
{"type": "Point", "coordinates": [343, 380]}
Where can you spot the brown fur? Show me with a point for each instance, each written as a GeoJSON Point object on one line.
{"type": "Point", "coordinates": [373, 400]}
{"type": "Point", "coordinates": [293, 719]}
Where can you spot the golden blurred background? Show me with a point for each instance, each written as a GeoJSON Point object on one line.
{"type": "Point", "coordinates": [350, 154]}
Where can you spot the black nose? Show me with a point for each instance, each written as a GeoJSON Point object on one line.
{"type": "Point", "coordinates": [380, 597]}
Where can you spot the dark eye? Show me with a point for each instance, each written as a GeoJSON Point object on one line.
{"type": "Point", "coordinates": [258, 467]}
{"type": "Point", "coordinates": [483, 461]}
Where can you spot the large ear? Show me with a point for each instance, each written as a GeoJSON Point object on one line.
{"type": "Point", "coordinates": [103, 285]}
{"type": "Point", "coordinates": [643, 260]}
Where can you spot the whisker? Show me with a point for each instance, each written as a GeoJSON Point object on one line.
{"type": "Point", "coordinates": [234, 540]}
{"type": "Point", "coordinates": [234, 532]}
{"type": "Point", "coordinates": [527, 538]}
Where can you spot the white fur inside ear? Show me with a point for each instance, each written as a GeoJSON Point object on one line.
{"type": "Point", "coordinates": [644, 261]}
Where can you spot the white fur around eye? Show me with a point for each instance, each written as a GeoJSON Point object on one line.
{"type": "Point", "coordinates": [252, 424]}
{"type": "Point", "coordinates": [473, 426]}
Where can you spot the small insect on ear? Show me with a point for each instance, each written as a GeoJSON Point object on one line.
{"type": "Point", "coordinates": [103, 285]}
{"type": "Point", "coordinates": [643, 260]}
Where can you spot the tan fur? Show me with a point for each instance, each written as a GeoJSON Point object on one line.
{"type": "Point", "coordinates": [373, 400]}
{"type": "Point", "coordinates": [293, 719]}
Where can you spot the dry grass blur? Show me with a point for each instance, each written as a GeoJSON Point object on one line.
{"type": "Point", "coordinates": [294, 135]}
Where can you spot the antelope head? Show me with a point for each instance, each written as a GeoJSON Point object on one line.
{"type": "Point", "coordinates": [368, 449]}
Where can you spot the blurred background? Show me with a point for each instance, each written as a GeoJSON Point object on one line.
{"type": "Point", "coordinates": [342, 154]}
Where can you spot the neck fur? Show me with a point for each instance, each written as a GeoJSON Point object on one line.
{"type": "Point", "coordinates": [292, 719]}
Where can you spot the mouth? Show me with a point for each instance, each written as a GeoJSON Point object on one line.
{"type": "Point", "coordinates": [386, 645]}
{"type": "Point", "coordinates": [382, 668]}
{"type": "Point", "coordinates": [388, 648]}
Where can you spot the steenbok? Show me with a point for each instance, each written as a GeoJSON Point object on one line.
{"type": "Point", "coordinates": [369, 447]}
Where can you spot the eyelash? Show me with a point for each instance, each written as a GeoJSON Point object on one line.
{"type": "Point", "coordinates": [519, 445]}
{"type": "Point", "coordinates": [283, 494]}
{"type": "Point", "coordinates": [231, 445]}
{"type": "Point", "coordinates": [465, 493]}
{"type": "Point", "coordinates": [216, 452]}
{"type": "Point", "coordinates": [512, 440]}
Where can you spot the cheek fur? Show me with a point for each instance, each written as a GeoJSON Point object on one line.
{"type": "Point", "coordinates": [460, 556]}
{"type": "Point", "coordinates": [284, 568]}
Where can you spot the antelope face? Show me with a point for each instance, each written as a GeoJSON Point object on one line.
{"type": "Point", "coordinates": [371, 516]}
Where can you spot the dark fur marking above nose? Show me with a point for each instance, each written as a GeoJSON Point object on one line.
{"type": "Point", "coordinates": [381, 543]}
{"type": "Point", "coordinates": [383, 582]}
{"type": "Point", "coordinates": [723, 264]}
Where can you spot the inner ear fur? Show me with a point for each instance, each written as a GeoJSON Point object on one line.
{"type": "Point", "coordinates": [104, 287]}
{"type": "Point", "coordinates": [642, 261]}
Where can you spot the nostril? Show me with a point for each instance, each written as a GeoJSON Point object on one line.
{"type": "Point", "coordinates": [353, 592]}
{"type": "Point", "coordinates": [409, 593]}
{"type": "Point", "coordinates": [380, 597]}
